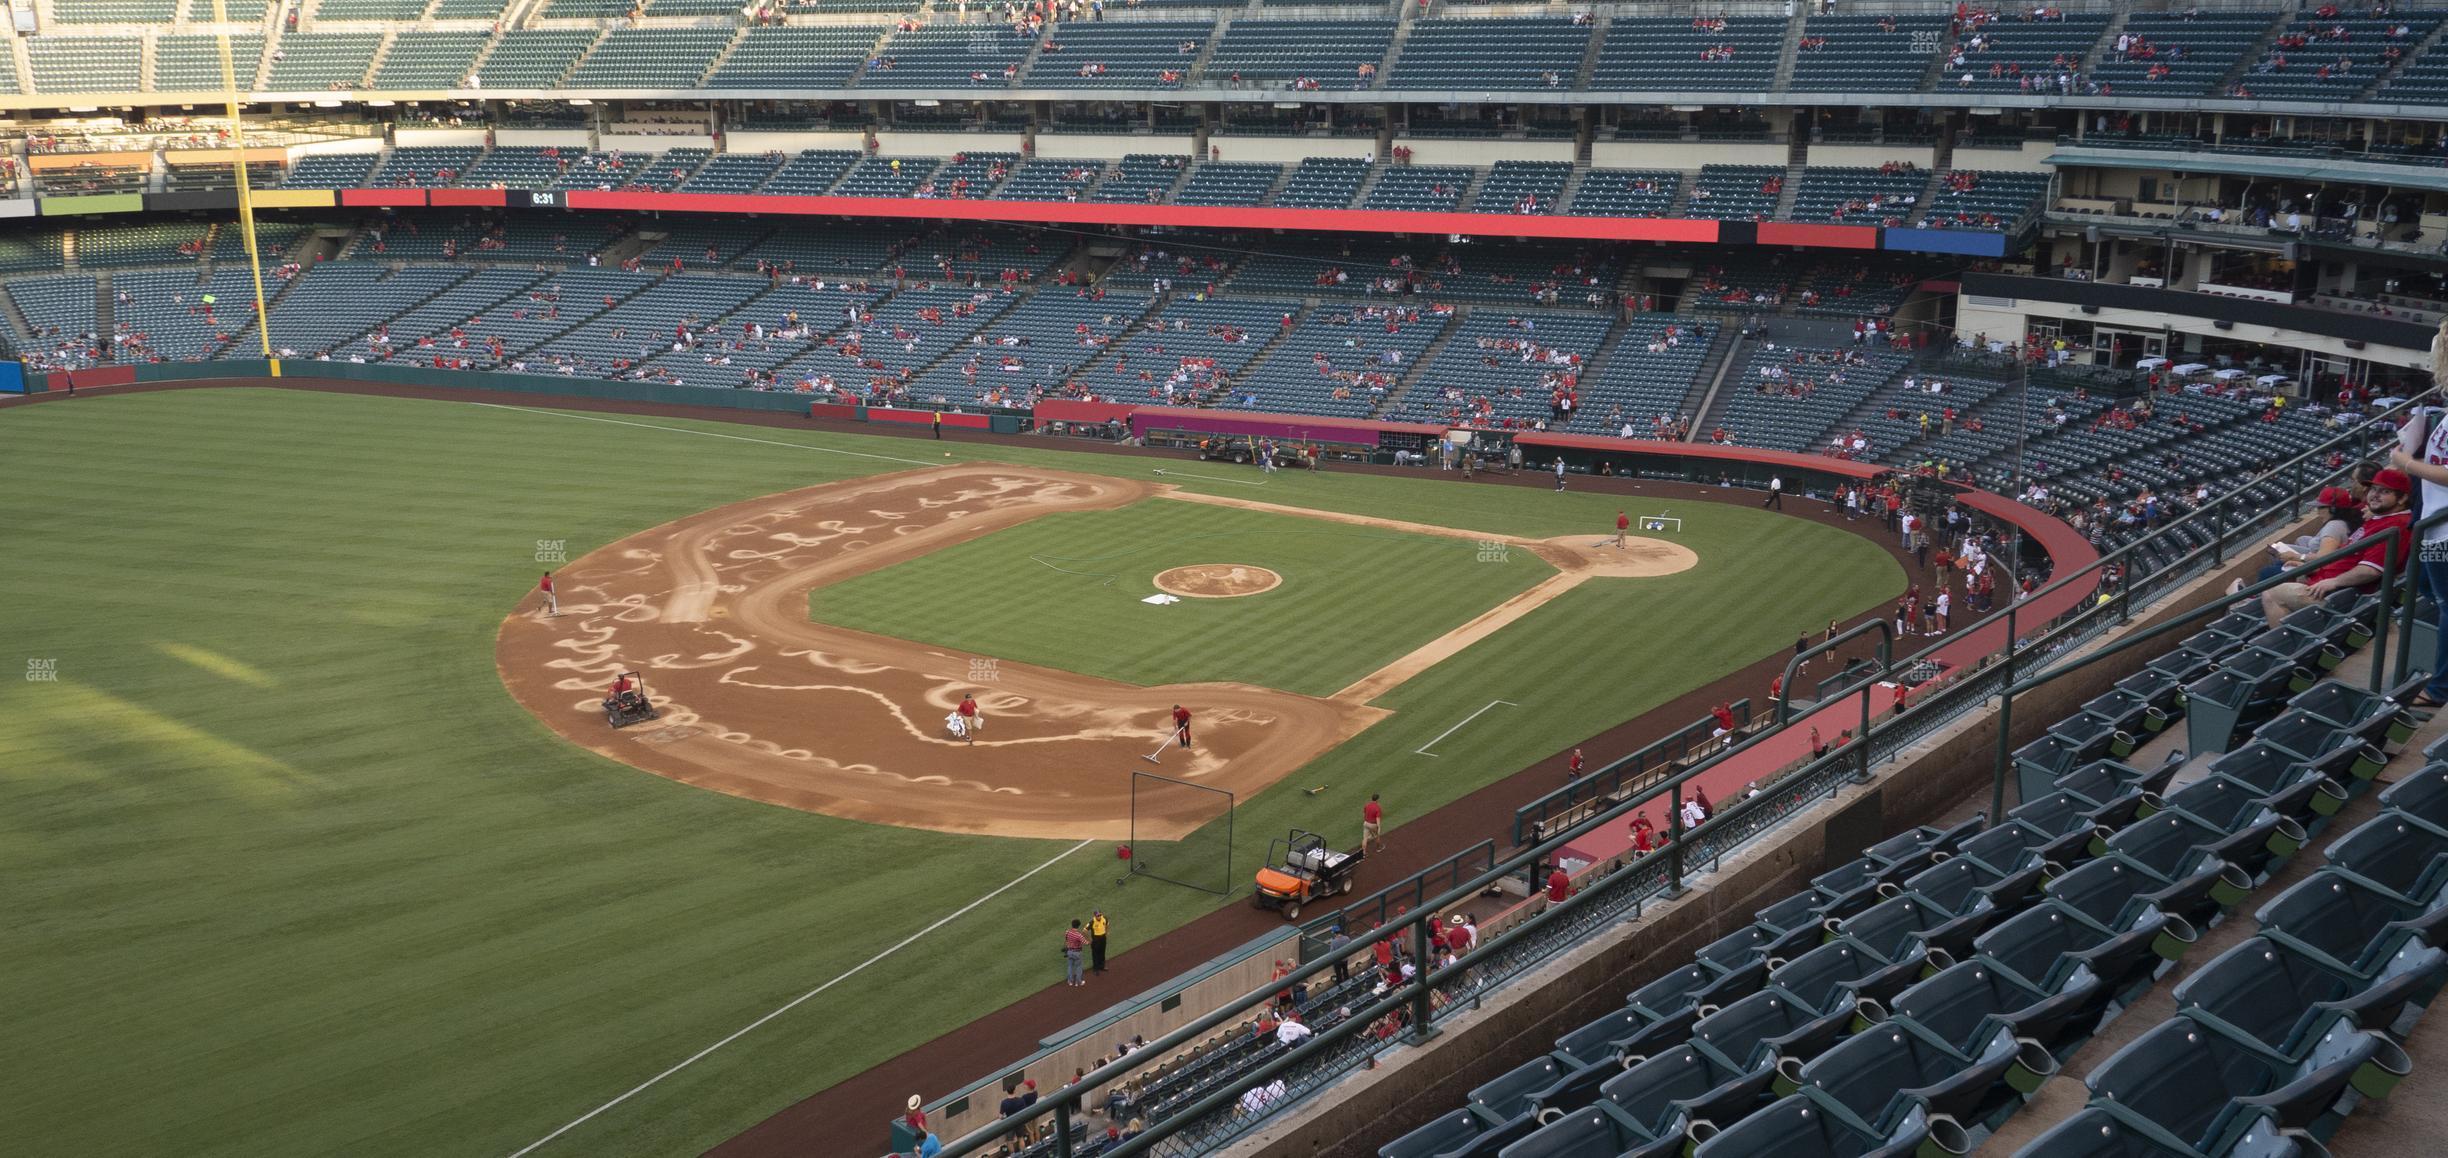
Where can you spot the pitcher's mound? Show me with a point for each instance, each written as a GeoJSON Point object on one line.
{"type": "Point", "coordinates": [1216, 580]}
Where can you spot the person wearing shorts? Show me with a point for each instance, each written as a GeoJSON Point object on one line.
{"type": "Point", "coordinates": [1372, 823]}
{"type": "Point", "coordinates": [969, 716]}
{"type": "Point", "coordinates": [552, 603]}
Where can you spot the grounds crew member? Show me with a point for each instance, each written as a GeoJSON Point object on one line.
{"type": "Point", "coordinates": [1096, 941]}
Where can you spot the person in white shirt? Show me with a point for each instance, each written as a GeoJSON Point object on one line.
{"type": "Point", "coordinates": [1693, 815]}
{"type": "Point", "coordinates": [1292, 1032]}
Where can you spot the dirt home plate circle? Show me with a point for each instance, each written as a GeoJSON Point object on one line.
{"type": "Point", "coordinates": [1216, 580]}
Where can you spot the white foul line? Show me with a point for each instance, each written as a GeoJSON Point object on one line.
{"type": "Point", "coordinates": [795, 1002]}
{"type": "Point", "coordinates": [1422, 750]}
{"type": "Point", "coordinates": [1211, 478]}
{"type": "Point", "coordinates": [705, 433]}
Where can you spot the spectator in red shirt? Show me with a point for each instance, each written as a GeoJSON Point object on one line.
{"type": "Point", "coordinates": [1559, 885]}
{"type": "Point", "coordinates": [1372, 825]}
{"type": "Point", "coordinates": [2386, 522]}
{"type": "Point", "coordinates": [1572, 767]}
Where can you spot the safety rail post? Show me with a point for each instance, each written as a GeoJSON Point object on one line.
{"type": "Point", "coordinates": [1062, 1129]}
{"type": "Point", "coordinates": [1420, 988]}
{"type": "Point", "coordinates": [1674, 840]}
{"type": "Point", "coordinates": [2417, 581]}
{"type": "Point", "coordinates": [2388, 602]}
{"type": "Point", "coordinates": [2005, 725]}
{"type": "Point", "coordinates": [2218, 544]}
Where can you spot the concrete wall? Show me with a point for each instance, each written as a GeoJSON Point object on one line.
{"type": "Point", "coordinates": [2031, 158]}
{"type": "Point", "coordinates": [408, 138]}
{"type": "Point", "coordinates": [1872, 156]}
{"type": "Point", "coordinates": [1107, 146]}
{"type": "Point", "coordinates": [792, 142]}
{"type": "Point", "coordinates": [543, 138]}
{"type": "Point", "coordinates": [1290, 150]}
{"type": "Point", "coordinates": [1681, 154]}
{"type": "Point", "coordinates": [901, 143]}
{"type": "Point", "coordinates": [1445, 151]}
{"type": "Point", "coordinates": [654, 142]}
{"type": "Point", "coordinates": [1413, 1085]}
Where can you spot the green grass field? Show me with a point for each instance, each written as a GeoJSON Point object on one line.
{"type": "Point", "coordinates": [288, 872]}
{"type": "Point", "coordinates": [1352, 597]}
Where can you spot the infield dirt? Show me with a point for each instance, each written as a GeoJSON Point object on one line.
{"type": "Point", "coordinates": [758, 701]}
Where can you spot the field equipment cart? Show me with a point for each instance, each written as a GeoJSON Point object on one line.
{"type": "Point", "coordinates": [1301, 868]}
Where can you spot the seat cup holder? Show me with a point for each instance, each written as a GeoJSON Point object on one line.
{"type": "Point", "coordinates": [1788, 1076]}
{"type": "Point", "coordinates": [2175, 937]}
{"type": "Point", "coordinates": [2378, 1077]}
{"type": "Point", "coordinates": [2033, 1066]}
{"type": "Point", "coordinates": [2286, 838]}
{"type": "Point", "coordinates": [1946, 1137]}
{"type": "Point", "coordinates": [2231, 887]}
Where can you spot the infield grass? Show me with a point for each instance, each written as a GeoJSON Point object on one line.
{"type": "Point", "coordinates": [288, 873]}
{"type": "Point", "coordinates": [1065, 592]}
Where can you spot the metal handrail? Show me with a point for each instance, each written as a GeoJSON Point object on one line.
{"type": "Point", "coordinates": [1415, 994]}
{"type": "Point", "coordinates": [2395, 558]}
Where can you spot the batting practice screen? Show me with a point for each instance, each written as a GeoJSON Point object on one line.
{"type": "Point", "coordinates": [1202, 859]}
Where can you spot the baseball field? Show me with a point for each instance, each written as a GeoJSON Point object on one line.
{"type": "Point", "coordinates": [315, 840]}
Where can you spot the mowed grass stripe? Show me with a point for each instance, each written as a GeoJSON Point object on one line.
{"type": "Point", "coordinates": [1352, 598]}
{"type": "Point", "coordinates": [372, 906]}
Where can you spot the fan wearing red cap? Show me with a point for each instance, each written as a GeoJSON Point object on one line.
{"type": "Point", "coordinates": [2385, 529]}
{"type": "Point", "coordinates": [2345, 514]}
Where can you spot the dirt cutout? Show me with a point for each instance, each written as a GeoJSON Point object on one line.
{"type": "Point", "coordinates": [759, 702]}
{"type": "Point", "coordinates": [1216, 580]}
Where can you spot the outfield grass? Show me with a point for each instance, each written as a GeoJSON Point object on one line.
{"type": "Point", "coordinates": [289, 873]}
{"type": "Point", "coordinates": [1353, 598]}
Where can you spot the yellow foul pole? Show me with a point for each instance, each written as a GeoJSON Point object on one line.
{"type": "Point", "coordinates": [246, 196]}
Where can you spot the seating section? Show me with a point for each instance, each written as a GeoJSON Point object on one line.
{"type": "Point", "coordinates": [1736, 192]}
{"type": "Point", "coordinates": [811, 172]}
{"type": "Point", "coordinates": [796, 57]}
{"type": "Point", "coordinates": [1227, 183]}
{"type": "Point", "coordinates": [1867, 53]}
{"type": "Point", "coordinates": [1141, 179]}
{"type": "Point", "coordinates": [1323, 183]}
{"type": "Point", "coordinates": [2024, 55]}
{"type": "Point", "coordinates": [332, 171]}
{"type": "Point", "coordinates": [114, 11]}
{"type": "Point", "coordinates": [149, 243]}
{"type": "Point", "coordinates": [2151, 65]}
{"type": "Point", "coordinates": [1340, 359]}
{"type": "Point", "coordinates": [1523, 187]}
{"type": "Point", "coordinates": [1421, 188]}
{"type": "Point", "coordinates": [515, 167]}
{"type": "Point", "coordinates": [321, 61]}
{"type": "Point", "coordinates": [59, 314]}
{"type": "Point", "coordinates": [531, 58]}
{"type": "Point", "coordinates": [1918, 996]}
{"type": "Point", "coordinates": [193, 63]}
{"type": "Point", "coordinates": [1330, 53]}
{"type": "Point", "coordinates": [1857, 196]}
{"type": "Point", "coordinates": [393, 11]}
{"type": "Point", "coordinates": [885, 177]}
{"type": "Point", "coordinates": [1969, 199]}
{"type": "Point", "coordinates": [1625, 193]}
{"type": "Point", "coordinates": [1709, 54]}
{"type": "Point", "coordinates": [2335, 58]}
{"type": "Point", "coordinates": [947, 56]}
{"type": "Point", "coordinates": [1151, 54]}
{"type": "Point", "coordinates": [1054, 180]}
{"type": "Point", "coordinates": [733, 173]}
{"type": "Point", "coordinates": [425, 166]}
{"type": "Point", "coordinates": [1529, 53]}
{"type": "Point", "coordinates": [65, 64]}
{"type": "Point", "coordinates": [429, 60]}
{"type": "Point", "coordinates": [1790, 398]}
{"type": "Point", "coordinates": [650, 58]}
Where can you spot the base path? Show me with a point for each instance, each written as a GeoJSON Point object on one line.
{"type": "Point", "coordinates": [757, 701]}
